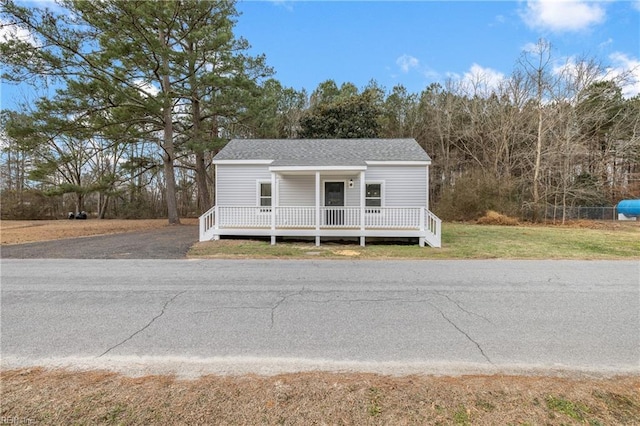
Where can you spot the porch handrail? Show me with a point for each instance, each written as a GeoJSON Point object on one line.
{"type": "Point", "coordinates": [207, 222]}
{"type": "Point", "coordinates": [330, 217]}
{"type": "Point", "coordinates": [433, 227]}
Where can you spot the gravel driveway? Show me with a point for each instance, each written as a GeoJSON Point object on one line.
{"type": "Point", "coordinates": [170, 242]}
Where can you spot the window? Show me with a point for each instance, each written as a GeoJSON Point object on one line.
{"type": "Point", "coordinates": [265, 197]}
{"type": "Point", "coordinates": [373, 197]}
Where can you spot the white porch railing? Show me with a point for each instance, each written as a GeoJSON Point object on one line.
{"type": "Point", "coordinates": [295, 217]}
{"type": "Point", "coordinates": [392, 217]}
{"type": "Point", "coordinates": [433, 227]}
{"type": "Point", "coordinates": [375, 218]}
{"type": "Point", "coordinates": [339, 217]}
{"type": "Point", "coordinates": [208, 224]}
{"type": "Point", "coordinates": [244, 217]}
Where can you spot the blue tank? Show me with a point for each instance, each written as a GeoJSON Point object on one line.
{"type": "Point", "coordinates": [630, 208]}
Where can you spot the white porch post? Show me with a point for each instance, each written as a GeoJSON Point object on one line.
{"type": "Point", "coordinates": [423, 211]}
{"type": "Point", "coordinates": [216, 221]}
{"type": "Point", "coordinates": [427, 199]}
{"type": "Point", "coordinates": [216, 217]}
{"type": "Point", "coordinates": [363, 197]}
{"type": "Point", "coordinates": [274, 203]}
{"type": "Point", "coordinates": [317, 208]}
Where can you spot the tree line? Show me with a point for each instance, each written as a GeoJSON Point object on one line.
{"type": "Point", "coordinates": [147, 95]}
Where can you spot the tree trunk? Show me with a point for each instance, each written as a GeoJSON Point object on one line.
{"type": "Point", "coordinates": [204, 199]}
{"type": "Point", "coordinates": [536, 168]}
{"type": "Point", "coordinates": [103, 207]}
{"type": "Point", "coordinates": [167, 143]}
{"type": "Point", "coordinates": [79, 202]}
{"type": "Point", "coordinates": [169, 172]}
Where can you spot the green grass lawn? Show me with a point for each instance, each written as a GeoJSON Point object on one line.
{"type": "Point", "coordinates": [459, 241]}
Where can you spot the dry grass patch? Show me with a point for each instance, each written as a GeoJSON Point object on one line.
{"type": "Point", "coordinates": [63, 397]}
{"type": "Point", "coordinates": [609, 225]}
{"type": "Point", "coordinates": [27, 231]}
{"type": "Point", "coordinates": [494, 218]}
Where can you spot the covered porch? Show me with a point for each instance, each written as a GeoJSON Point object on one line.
{"type": "Point", "coordinates": [332, 214]}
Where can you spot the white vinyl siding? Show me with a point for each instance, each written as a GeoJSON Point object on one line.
{"type": "Point", "coordinates": [404, 186]}
{"type": "Point", "coordinates": [297, 190]}
{"type": "Point", "coordinates": [236, 183]}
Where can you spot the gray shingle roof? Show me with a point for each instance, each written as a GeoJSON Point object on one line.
{"type": "Point", "coordinates": [323, 152]}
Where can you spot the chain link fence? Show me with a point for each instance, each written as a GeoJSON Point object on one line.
{"type": "Point", "coordinates": [581, 213]}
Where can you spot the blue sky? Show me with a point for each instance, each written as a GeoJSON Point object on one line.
{"type": "Point", "coordinates": [415, 43]}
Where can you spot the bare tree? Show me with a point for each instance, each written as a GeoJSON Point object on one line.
{"type": "Point", "coordinates": [536, 63]}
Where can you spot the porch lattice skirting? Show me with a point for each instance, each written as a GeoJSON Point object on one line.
{"type": "Point", "coordinates": [322, 222]}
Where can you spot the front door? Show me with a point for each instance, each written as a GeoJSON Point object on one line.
{"type": "Point", "coordinates": [334, 197]}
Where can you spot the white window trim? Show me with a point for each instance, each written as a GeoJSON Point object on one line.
{"type": "Point", "coordinates": [346, 188]}
{"type": "Point", "coordinates": [382, 196]}
{"type": "Point", "coordinates": [263, 209]}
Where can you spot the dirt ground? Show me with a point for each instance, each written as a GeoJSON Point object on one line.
{"type": "Point", "coordinates": [40, 396]}
{"type": "Point", "coordinates": [27, 231]}
{"type": "Point", "coordinates": [37, 396]}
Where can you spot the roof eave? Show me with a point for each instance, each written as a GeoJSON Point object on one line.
{"type": "Point", "coordinates": [316, 168]}
{"type": "Point", "coordinates": [242, 161]}
{"type": "Point", "coordinates": [398, 163]}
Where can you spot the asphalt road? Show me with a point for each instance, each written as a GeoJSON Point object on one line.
{"type": "Point", "coordinates": [170, 242]}
{"type": "Point", "coordinates": [192, 317]}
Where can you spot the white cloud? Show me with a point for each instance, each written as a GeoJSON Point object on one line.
{"type": "Point", "coordinates": [626, 69]}
{"type": "Point", "coordinates": [9, 31]}
{"type": "Point", "coordinates": [562, 15]}
{"type": "Point", "coordinates": [285, 4]}
{"type": "Point", "coordinates": [606, 43]}
{"type": "Point", "coordinates": [431, 74]}
{"type": "Point", "coordinates": [407, 62]}
{"type": "Point", "coordinates": [531, 48]}
{"type": "Point", "coordinates": [481, 80]}
{"type": "Point", "coordinates": [453, 76]}
{"type": "Point", "coordinates": [636, 4]}
{"type": "Point", "coordinates": [569, 68]}
{"type": "Point", "coordinates": [146, 88]}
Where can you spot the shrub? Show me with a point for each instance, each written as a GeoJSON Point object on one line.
{"type": "Point", "coordinates": [494, 218]}
{"type": "Point", "coordinates": [475, 193]}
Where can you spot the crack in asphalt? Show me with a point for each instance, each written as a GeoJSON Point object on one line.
{"type": "Point", "coordinates": [384, 300]}
{"type": "Point", "coordinates": [372, 300]}
{"type": "Point", "coordinates": [404, 300]}
{"type": "Point", "coordinates": [463, 333]}
{"type": "Point", "coordinates": [455, 302]}
{"type": "Point", "coordinates": [145, 327]}
{"type": "Point", "coordinates": [280, 302]}
{"type": "Point", "coordinates": [231, 308]}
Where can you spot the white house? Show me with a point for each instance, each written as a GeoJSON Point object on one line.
{"type": "Point", "coordinates": [322, 188]}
